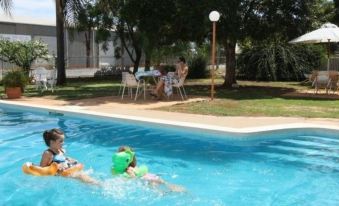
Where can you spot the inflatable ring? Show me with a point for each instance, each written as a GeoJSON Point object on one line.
{"type": "Point", "coordinates": [51, 170]}
{"type": "Point", "coordinates": [138, 171]}
{"type": "Point", "coordinates": [31, 169]}
{"type": "Point", "coordinates": [68, 172]}
{"type": "Point", "coordinates": [121, 161]}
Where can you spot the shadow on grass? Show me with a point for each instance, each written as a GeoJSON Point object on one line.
{"type": "Point", "coordinates": [248, 91]}
{"type": "Point", "coordinates": [256, 92]}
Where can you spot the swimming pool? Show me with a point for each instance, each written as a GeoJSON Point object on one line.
{"type": "Point", "coordinates": [298, 168]}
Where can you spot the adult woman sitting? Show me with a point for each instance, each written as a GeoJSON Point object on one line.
{"type": "Point", "coordinates": [165, 82]}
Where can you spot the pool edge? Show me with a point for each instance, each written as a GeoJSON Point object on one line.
{"type": "Point", "coordinates": [74, 111]}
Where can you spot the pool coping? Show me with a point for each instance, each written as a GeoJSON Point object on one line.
{"type": "Point", "coordinates": [77, 111]}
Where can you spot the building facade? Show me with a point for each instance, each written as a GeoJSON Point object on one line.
{"type": "Point", "coordinates": [75, 48]}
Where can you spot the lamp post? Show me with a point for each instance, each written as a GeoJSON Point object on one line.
{"type": "Point", "coordinates": [214, 17]}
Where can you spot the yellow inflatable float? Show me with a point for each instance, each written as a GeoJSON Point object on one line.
{"type": "Point", "coordinates": [31, 169]}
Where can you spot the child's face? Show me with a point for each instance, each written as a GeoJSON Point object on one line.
{"type": "Point", "coordinates": [58, 143]}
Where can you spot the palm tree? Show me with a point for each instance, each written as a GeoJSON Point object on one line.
{"type": "Point", "coordinates": [6, 6]}
{"type": "Point", "coordinates": [65, 12]}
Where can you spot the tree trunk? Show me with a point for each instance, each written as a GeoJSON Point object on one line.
{"type": "Point", "coordinates": [61, 78]}
{"type": "Point", "coordinates": [147, 62]}
{"type": "Point", "coordinates": [88, 37]}
{"type": "Point", "coordinates": [137, 60]}
{"type": "Point", "coordinates": [230, 64]}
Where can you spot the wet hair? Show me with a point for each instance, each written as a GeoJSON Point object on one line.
{"type": "Point", "coordinates": [124, 148]}
{"type": "Point", "coordinates": [182, 59]}
{"type": "Point", "coordinates": [52, 134]}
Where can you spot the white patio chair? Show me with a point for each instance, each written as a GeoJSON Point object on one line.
{"type": "Point", "coordinates": [51, 79]}
{"type": "Point", "coordinates": [40, 76]}
{"type": "Point", "coordinates": [333, 81]}
{"type": "Point", "coordinates": [320, 81]}
{"type": "Point", "coordinates": [180, 88]}
{"type": "Point", "coordinates": [44, 79]}
{"type": "Point", "coordinates": [131, 83]}
{"type": "Point", "coordinates": [123, 80]}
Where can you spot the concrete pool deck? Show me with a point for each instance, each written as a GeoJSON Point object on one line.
{"type": "Point", "coordinates": [113, 107]}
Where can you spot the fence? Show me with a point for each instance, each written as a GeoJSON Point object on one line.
{"type": "Point", "coordinates": [75, 66]}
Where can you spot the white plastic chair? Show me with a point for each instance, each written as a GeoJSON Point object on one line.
{"type": "Point", "coordinates": [131, 82]}
{"type": "Point", "coordinates": [320, 80]}
{"type": "Point", "coordinates": [44, 79]}
{"type": "Point", "coordinates": [180, 88]}
{"type": "Point", "coordinates": [333, 82]}
{"type": "Point", "coordinates": [40, 75]}
{"type": "Point", "coordinates": [51, 79]}
{"type": "Point", "coordinates": [123, 80]}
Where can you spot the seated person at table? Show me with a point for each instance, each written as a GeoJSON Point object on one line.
{"type": "Point", "coordinates": [167, 81]}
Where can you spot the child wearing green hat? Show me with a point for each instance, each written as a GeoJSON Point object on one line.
{"type": "Point", "coordinates": [125, 163]}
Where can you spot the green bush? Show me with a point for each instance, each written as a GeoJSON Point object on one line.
{"type": "Point", "coordinates": [277, 61]}
{"type": "Point", "coordinates": [22, 54]}
{"type": "Point", "coordinates": [15, 78]}
{"type": "Point", "coordinates": [168, 68]}
{"type": "Point", "coordinates": [197, 67]}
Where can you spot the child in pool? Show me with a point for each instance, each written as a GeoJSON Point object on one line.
{"type": "Point", "coordinates": [54, 139]}
{"type": "Point", "coordinates": [149, 177]}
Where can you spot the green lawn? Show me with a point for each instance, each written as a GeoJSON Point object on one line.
{"type": "Point", "coordinates": [76, 90]}
{"type": "Point", "coordinates": [250, 99]}
{"type": "Point", "coordinates": [260, 99]}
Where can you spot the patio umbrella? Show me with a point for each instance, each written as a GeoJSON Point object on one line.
{"type": "Point", "coordinates": [327, 33]}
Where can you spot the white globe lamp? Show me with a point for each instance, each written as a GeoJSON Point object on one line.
{"type": "Point", "coordinates": [214, 16]}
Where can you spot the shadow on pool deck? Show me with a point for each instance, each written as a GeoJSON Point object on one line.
{"type": "Point", "coordinates": [109, 101]}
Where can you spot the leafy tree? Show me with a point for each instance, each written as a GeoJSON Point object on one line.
{"type": "Point", "coordinates": [141, 25]}
{"type": "Point", "coordinates": [22, 54]}
{"type": "Point", "coordinates": [336, 12]}
{"type": "Point", "coordinates": [259, 20]}
{"type": "Point", "coordinates": [166, 53]}
{"type": "Point", "coordinates": [154, 23]}
{"type": "Point", "coordinates": [146, 25]}
{"type": "Point", "coordinates": [115, 17]}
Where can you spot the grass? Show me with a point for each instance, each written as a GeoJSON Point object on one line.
{"type": "Point", "coordinates": [260, 99]}
{"type": "Point", "coordinates": [76, 90]}
{"type": "Point", "coordinates": [250, 99]}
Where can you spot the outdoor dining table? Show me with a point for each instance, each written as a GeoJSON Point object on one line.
{"type": "Point", "coordinates": [144, 74]}
{"type": "Point", "coordinates": [150, 78]}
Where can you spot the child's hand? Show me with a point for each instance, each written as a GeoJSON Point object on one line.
{"type": "Point", "coordinates": [130, 171]}
{"type": "Point", "coordinates": [61, 166]}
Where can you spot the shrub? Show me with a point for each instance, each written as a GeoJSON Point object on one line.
{"type": "Point", "coordinates": [277, 61]}
{"type": "Point", "coordinates": [168, 68]}
{"type": "Point", "coordinates": [15, 78]}
{"type": "Point", "coordinates": [197, 67]}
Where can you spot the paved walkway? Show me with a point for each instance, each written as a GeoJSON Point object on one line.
{"type": "Point", "coordinates": [111, 106]}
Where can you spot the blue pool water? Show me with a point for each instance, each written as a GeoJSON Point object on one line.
{"type": "Point", "coordinates": [293, 170]}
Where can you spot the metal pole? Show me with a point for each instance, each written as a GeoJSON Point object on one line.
{"type": "Point", "coordinates": [213, 60]}
{"type": "Point", "coordinates": [328, 55]}
{"type": "Point", "coordinates": [93, 54]}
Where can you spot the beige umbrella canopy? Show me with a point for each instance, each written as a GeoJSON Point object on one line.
{"type": "Point", "coordinates": [327, 33]}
